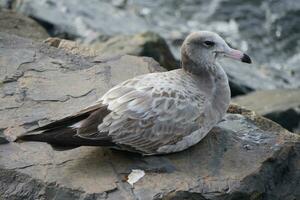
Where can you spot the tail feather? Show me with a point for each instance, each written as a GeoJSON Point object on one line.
{"type": "Point", "coordinates": [61, 135]}
{"type": "Point", "coordinates": [64, 138]}
{"type": "Point", "coordinates": [70, 120]}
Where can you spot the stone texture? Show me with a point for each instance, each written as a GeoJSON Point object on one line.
{"type": "Point", "coordinates": [145, 44]}
{"type": "Point", "coordinates": [21, 25]}
{"type": "Point", "coordinates": [245, 157]}
{"type": "Point", "coordinates": [281, 106]}
{"type": "Point", "coordinates": [86, 20]}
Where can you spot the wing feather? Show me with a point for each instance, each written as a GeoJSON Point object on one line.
{"type": "Point", "coordinates": [146, 114]}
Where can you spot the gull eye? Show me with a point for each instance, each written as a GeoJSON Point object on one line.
{"type": "Point", "coordinates": [209, 43]}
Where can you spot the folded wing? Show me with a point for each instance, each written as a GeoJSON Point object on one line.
{"type": "Point", "coordinates": [145, 116]}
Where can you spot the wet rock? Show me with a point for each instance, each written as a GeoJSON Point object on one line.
{"type": "Point", "coordinates": [245, 157]}
{"type": "Point", "coordinates": [87, 20]}
{"type": "Point", "coordinates": [245, 78]}
{"type": "Point", "coordinates": [18, 24]}
{"type": "Point", "coordinates": [145, 44]}
{"type": "Point", "coordinates": [281, 106]}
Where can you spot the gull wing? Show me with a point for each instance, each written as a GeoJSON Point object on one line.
{"type": "Point", "coordinates": [149, 111]}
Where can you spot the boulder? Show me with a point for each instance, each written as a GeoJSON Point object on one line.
{"type": "Point", "coordinates": [245, 157]}
{"type": "Point", "coordinates": [144, 44]}
{"type": "Point", "coordinates": [281, 106]}
{"type": "Point", "coordinates": [21, 25]}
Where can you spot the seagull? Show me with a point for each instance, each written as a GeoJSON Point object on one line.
{"type": "Point", "coordinates": [155, 113]}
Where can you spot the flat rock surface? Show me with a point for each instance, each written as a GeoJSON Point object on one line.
{"type": "Point", "coordinates": [282, 106]}
{"type": "Point", "coordinates": [244, 157]}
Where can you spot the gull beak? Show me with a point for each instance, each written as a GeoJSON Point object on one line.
{"type": "Point", "coordinates": [237, 55]}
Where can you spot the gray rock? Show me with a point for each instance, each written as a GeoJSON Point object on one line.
{"type": "Point", "coordinates": [281, 106]}
{"type": "Point", "coordinates": [6, 4]}
{"type": "Point", "coordinates": [245, 157]}
{"type": "Point", "coordinates": [269, 27]}
{"type": "Point", "coordinates": [145, 44]}
{"type": "Point", "coordinates": [245, 78]}
{"type": "Point", "coordinates": [148, 44]}
{"type": "Point", "coordinates": [86, 20]}
{"type": "Point", "coordinates": [21, 25]}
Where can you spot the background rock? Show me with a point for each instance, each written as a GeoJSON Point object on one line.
{"type": "Point", "coordinates": [145, 44]}
{"type": "Point", "coordinates": [18, 24]}
{"type": "Point", "coordinates": [245, 157]}
{"type": "Point", "coordinates": [244, 78]}
{"type": "Point", "coordinates": [85, 21]}
{"type": "Point", "coordinates": [270, 47]}
{"type": "Point", "coordinates": [281, 106]}
{"type": "Point", "coordinates": [148, 44]}
{"type": "Point", "coordinates": [273, 21]}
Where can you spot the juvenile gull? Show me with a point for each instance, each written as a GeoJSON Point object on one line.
{"type": "Point", "coordinates": [156, 113]}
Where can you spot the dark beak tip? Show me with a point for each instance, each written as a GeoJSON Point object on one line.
{"type": "Point", "coordinates": [246, 59]}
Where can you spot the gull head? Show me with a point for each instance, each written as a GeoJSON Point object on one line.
{"type": "Point", "coordinates": [203, 48]}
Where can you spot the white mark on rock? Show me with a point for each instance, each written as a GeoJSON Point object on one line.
{"type": "Point", "coordinates": [135, 176]}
